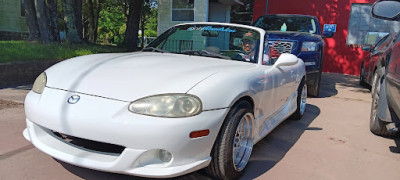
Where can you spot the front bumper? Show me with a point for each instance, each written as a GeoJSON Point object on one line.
{"type": "Point", "coordinates": [312, 61]}
{"type": "Point", "coordinates": [109, 121]}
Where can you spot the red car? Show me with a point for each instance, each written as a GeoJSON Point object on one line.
{"type": "Point", "coordinates": [369, 64]}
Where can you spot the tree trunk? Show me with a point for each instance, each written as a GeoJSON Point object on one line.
{"type": "Point", "coordinates": [91, 24]}
{"type": "Point", "coordinates": [132, 27]}
{"type": "Point", "coordinates": [31, 20]}
{"type": "Point", "coordinates": [52, 17]}
{"type": "Point", "coordinates": [93, 8]}
{"type": "Point", "coordinates": [96, 18]}
{"type": "Point", "coordinates": [142, 23]}
{"type": "Point", "coordinates": [45, 34]}
{"type": "Point", "coordinates": [78, 17]}
{"type": "Point", "coordinates": [69, 18]}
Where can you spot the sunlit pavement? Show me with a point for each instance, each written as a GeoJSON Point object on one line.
{"type": "Point", "coordinates": [332, 141]}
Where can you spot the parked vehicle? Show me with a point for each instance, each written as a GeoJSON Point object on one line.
{"type": "Point", "coordinates": [385, 108]}
{"type": "Point", "coordinates": [300, 35]}
{"type": "Point", "coordinates": [369, 64]}
{"type": "Point", "coordinates": [184, 103]}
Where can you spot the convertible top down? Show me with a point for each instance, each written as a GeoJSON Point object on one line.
{"type": "Point", "coordinates": [199, 96]}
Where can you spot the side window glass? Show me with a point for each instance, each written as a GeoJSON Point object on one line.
{"type": "Point", "coordinates": [379, 46]}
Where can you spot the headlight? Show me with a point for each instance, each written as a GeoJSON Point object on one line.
{"type": "Point", "coordinates": [309, 46]}
{"type": "Point", "coordinates": [40, 83]}
{"type": "Point", "coordinates": [168, 105]}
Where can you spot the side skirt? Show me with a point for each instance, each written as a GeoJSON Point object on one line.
{"type": "Point", "coordinates": [271, 122]}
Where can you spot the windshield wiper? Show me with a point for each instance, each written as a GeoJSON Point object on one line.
{"type": "Point", "coordinates": [153, 49]}
{"type": "Point", "coordinates": [204, 53]}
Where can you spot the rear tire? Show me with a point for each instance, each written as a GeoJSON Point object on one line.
{"type": "Point", "coordinates": [234, 144]}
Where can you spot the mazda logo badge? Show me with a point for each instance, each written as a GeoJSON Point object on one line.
{"type": "Point", "coordinates": [73, 99]}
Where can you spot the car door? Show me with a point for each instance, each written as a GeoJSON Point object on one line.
{"type": "Point", "coordinates": [278, 85]}
{"type": "Point", "coordinates": [375, 54]}
{"type": "Point", "coordinates": [393, 77]}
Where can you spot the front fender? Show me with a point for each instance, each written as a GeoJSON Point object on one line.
{"type": "Point", "coordinates": [222, 90]}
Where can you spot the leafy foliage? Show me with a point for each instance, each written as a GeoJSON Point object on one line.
{"type": "Point", "coordinates": [111, 20]}
{"type": "Point", "coordinates": [149, 15]}
{"type": "Point", "coordinates": [11, 51]}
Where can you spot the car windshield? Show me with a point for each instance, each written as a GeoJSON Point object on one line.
{"type": "Point", "coordinates": [287, 23]}
{"type": "Point", "coordinates": [215, 41]}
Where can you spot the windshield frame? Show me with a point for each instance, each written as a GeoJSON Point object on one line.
{"type": "Point", "coordinates": [259, 51]}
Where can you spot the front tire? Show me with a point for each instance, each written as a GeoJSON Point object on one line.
{"type": "Point", "coordinates": [362, 74]}
{"type": "Point", "coordinates": [377, 126]}
{"type": "Point", "coordinates": [377, 76]}
{"type": "Point", "coordinates": [234, 144]}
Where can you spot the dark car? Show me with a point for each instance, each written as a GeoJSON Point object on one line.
{"type": "Point", "coordinates": [300, 35]}
{"type": "Point", "coordinates": [369, 64]}
{"type": "Point", "coordinates": [385, 109]}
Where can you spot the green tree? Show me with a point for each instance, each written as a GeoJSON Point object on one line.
{"type": "Point", "coordinates": [151, 24]}
{"type": "Point", "coordinates": [91, 11]}
{"type": "Point", "coordinates": [148, 19]}
{"type": "Point", "coordinates": [111, 20]}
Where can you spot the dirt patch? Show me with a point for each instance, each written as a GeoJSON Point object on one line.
{"type": "Point", "coordinates": [9, 104]}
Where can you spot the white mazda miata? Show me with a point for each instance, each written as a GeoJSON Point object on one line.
{"type": "Point", "coordinates": [199, 96]}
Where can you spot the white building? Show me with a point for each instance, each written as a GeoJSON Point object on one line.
{"type": "Point", "coordinates": [171, 12]}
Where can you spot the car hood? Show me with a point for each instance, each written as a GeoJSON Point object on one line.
{"type": "Point", "coordinates": [130, 76]}
{"type": "Point", "coordinates": [274, 35]}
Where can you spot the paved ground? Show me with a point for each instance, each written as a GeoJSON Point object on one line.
{"type": "Point", "coordinates": [332, 141]}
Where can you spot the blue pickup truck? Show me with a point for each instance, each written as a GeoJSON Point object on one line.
{"type": "Point", "coordinates": [300, 35]}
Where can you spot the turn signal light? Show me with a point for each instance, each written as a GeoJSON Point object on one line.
{"type": "Point", "coordinates": [197, 134]}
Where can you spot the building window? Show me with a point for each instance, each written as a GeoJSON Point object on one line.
{"type": "Point", "coordinates": [182, 10]}
{"type": "Point", "coordinates": [22, 8]}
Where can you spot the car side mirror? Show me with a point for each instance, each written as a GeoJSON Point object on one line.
{"type": "Point", "coordinates": [389, 10]}
{"type": "Point", "coordinates": [367, 48]}
{"type": "Point", "coordinates": [328, 34]}
{"type": "Point", "coordinates": [286, 59]}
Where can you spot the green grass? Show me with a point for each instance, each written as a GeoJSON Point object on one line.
{"type": "Point", "coordinates": [22, 51]}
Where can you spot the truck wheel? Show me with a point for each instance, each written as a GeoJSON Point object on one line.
{"type": "Point", "coordinates": [301, 101]}
{"type": "Point", "coordinates": [377, 126]}
{"type": "Point", "coordinates": [234, 144]}
{"type": "Point", "coordinates": [313, 90]}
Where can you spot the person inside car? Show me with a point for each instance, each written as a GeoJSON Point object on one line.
{"type": "Point", "coordinates": [248, 49]}
{"type": "Point", "coordinates": [248, 44]}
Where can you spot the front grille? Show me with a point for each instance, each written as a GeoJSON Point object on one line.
{"type": "Point", "coordinates": [279, 47]}
{"type": "Point", "coordinates": [89, 144]}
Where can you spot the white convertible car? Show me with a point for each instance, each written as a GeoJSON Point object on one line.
{"type": "Point", "coordinates": [190, 100]}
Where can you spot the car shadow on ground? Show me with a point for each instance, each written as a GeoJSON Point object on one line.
{"type": "Point", "coordinates": [21, 87]}
{"type": "Point", "coordinates": [395, 149]}
{"type": "Point", "coordinates": [270, 150]}
{"type": "Point", "coordinates": [266, 154]}
{"type": "Point", "coordinates": [329, 82]}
